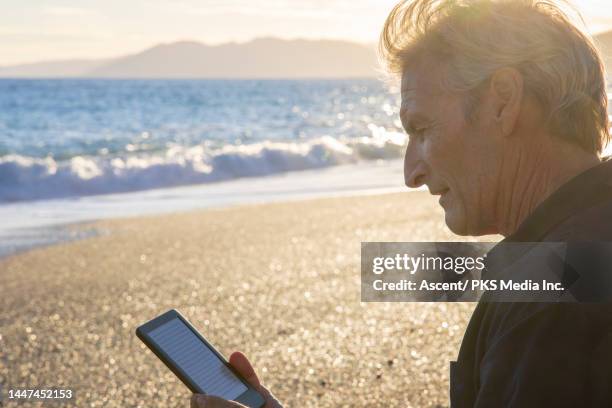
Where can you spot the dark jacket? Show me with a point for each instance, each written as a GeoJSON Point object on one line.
{"type": "Point", "coordinates": [545, 354]}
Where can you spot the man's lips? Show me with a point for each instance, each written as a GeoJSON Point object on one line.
{"type": "Point", "coordinates": [439, 192]}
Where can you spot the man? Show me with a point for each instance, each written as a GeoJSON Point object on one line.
{"type": "Point", "coordinates": [506, 108]}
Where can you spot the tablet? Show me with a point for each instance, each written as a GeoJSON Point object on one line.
{"type": "Point", "coordinates": [194, 360]}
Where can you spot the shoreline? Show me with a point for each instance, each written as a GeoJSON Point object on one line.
{"type": "Point", "coordinates": [47, 222]}
{"type": "Point", "coordinates": [16, 242]}
{"type": "Point", "coordinates": [21, 240]}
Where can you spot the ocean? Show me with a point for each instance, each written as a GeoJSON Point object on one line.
{"type": "Point", "coordinates": [73, 138]}
{"type": "Point", "coordinates": [79, 150]}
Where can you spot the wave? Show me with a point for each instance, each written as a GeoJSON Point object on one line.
{"type": "Point", "coordinates": [25, 178]}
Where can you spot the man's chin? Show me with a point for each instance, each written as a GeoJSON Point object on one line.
{"type": "Point", "coordinates": [457, 225]}
{"type": "Point", "coordinates": [460, 226]}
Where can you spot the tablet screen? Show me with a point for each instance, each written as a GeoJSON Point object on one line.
{"type": "Point", "coordinates": [197, 360]}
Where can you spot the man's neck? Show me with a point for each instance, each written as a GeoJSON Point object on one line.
{"type": "Point", "coordinates": [536, 175]}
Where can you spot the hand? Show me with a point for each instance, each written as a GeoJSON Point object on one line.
{"type": "Point", "coordinates": [244, 367]}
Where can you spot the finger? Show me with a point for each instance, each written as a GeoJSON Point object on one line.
{"type": "Point", "coordinates": [209, 401]}
{"type": "Point", "coordinates": [244, 367]}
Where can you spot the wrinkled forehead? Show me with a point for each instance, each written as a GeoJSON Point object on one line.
{"type": "Point", "coordinates": [421, 86]}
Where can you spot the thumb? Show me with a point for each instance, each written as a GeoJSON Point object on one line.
{"type": "Point", "coordinates": [198, 401]}
{"type": "Point", "coordinates": [241, 363]}
{"type": "Point", "coordinates": [210, 401]}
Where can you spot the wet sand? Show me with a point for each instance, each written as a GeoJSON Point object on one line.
{"type": "Point", "coordinates": [279, 282]}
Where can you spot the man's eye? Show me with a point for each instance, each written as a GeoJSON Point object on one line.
{"type": "Point", "coordinates": [418, 133]}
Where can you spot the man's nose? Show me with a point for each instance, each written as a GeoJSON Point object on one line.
{"type": "Point", "coordinates": [414, 169]}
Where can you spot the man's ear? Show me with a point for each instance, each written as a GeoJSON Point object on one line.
{"type": "Point", "coordinates": [506, 87]}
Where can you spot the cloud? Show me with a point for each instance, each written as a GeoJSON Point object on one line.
{"type": "Point", "coordinates": [49, 36]}
{"type": "Point", "coordinates": [67, 11]}
{"type": "Point", "coordinates": [308, 9]}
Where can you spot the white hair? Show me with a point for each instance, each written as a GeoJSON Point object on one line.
{"type": "Point", "coordinates": [560, 65]}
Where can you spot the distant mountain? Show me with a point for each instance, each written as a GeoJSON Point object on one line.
{"type": "Point", "coordinates": [261, 58]}
{"type": "Point", "coordinates": [604, 43]}
{"type": "Point", "coordinates": [53, 69]}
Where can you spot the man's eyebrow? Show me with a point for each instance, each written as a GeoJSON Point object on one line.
{"type": "Point", "coordinates": [411, 120]}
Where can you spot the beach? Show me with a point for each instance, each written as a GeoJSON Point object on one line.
{"type": "Point", "coordinates": [278, 281]}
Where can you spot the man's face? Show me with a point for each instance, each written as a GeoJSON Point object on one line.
{"type": "Point", "coordinates": [456, 158]}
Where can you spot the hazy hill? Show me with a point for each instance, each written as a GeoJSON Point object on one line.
{"type": "Point", "coordinates": [604, 43]}
{"type": "Point", "coordinates": [54, 69]}
{"type": "Point", "coordinates": [261, 58]}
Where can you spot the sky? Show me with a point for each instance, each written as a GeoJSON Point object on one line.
{"type": "Point", "coordinates": [40, 30]}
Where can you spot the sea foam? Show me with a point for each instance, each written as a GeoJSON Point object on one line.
{"type": "Point", "coordinates": [25, 178]}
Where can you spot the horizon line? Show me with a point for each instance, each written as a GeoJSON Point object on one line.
{"type": "Point", "coordinates": [184, 40]}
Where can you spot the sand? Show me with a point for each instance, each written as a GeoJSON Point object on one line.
{"type": "Point", "coordinates": [279, 282]}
